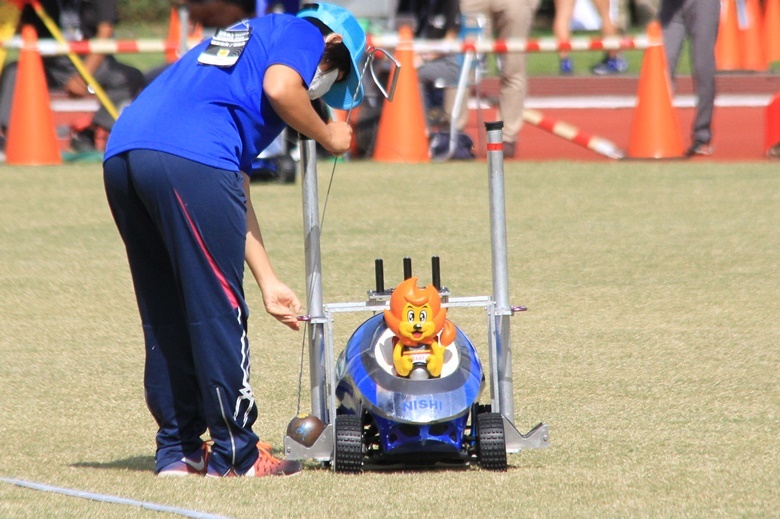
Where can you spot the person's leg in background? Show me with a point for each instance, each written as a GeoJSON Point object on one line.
{"type": "Point", "coordinates": [564, 10]}
{"type": "Point", "coordinates": [512, 19]}
{"type": "Point", "coordinates": [436, 76]}
{"type": "Point", "coordinates": [509, 19]}
{"type": "Point", "coordinates": [674, 33]}
{"type": "Point", "coordinates": [613, 62]}
{"type": "Point", "coordinates": [702, 18]}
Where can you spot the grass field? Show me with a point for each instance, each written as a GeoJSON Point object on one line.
{"type": "Point", "coordinates": [651, 344]}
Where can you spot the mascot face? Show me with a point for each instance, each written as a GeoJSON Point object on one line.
{"type": "Point", "coordinates": [416, 324]}
{"type": "Point", "coordinates": [415, 314]}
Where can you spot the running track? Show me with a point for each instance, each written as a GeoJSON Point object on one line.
{"type": "Point", "coordinates": [604, 107]}
{"type": "Point", "coordinates": [598, 106]}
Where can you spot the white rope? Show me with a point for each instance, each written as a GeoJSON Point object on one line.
{"type": "Point", "coordinates": [103, 498]}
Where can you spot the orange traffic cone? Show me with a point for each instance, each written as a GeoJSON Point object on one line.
{"type": "Point", "coordinates": [196, 32]}
{"type": "Point", "coordinates": [655, 131]}
{"type": "Point", "coordinates": [402, 135]}
{"type": "Point", "coordinates": [173, 52]}
{"type": "Point", "coordinates": [772, 30]}
{"type": "Point", "coordinates": [174, 37]}
{"type": "Point", "coordinates": [32, 139]}
{"type": "Point", "coordinates": [751, 38]}
{"type": "Point", "coordinates": [728, 51]}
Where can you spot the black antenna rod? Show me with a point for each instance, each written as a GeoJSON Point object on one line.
{"type": "Point", "coordinates": [435, 273]}
{"type": "Point", "coordinates": [379, 270]}
{"type": "Point", "coordinates": [407, 267]}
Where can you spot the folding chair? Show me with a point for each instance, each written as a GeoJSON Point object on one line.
{"type": "Point", "coordinates": [472, 28]}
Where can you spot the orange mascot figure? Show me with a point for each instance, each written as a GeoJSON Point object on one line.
{"type": "Point", "coordinates": [420, 326]}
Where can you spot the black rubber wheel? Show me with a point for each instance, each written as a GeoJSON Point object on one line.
{"type": "Point", "coordinates": [491, 444]}
{"type": "Point", "coordinates": [349, 444]}
{"type": "Point", "coordinates": [285, 174]}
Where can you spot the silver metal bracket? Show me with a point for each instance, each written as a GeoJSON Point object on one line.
{"type": "Point", "coordinates": [321, 450]}
{"type": "Point", "coordinates": [536, 438]}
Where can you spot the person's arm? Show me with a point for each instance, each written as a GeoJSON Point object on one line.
{"type": "Point", "coordinates": [76, 86]}
{"type": "Point", "coordinates": [287, 94]}
{"type": "Point", "coordinates": [279, 300]}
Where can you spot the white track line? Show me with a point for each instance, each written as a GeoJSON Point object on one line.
{"type": "Point", "coordinates": [681, 101]}
{"type": "Point", "coordinates": [111, 499]}
{"type": "Point", "coordinates": [537, 102]}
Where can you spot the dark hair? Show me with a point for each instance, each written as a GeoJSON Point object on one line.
{"type": "Point", "coordinates": [335, 54]}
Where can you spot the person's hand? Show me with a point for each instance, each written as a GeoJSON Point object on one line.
{"type": "Point", "coordinates": [282, 303]}
{"type": "Point", "coordinates": [75, 86]}
{"type": "Point", "coordinates": [340, 138]}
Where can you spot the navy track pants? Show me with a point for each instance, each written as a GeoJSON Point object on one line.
{"type": "Point", "coordinates": [184, 228]}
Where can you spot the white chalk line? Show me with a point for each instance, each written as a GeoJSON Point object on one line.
{"type": "Point", "coordinates": [104, 498]}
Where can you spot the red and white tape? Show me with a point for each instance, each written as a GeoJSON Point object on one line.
{"type": "Point", "coordinates": [514, 45]}
{"type": "Point", "coordinates": [572, 133]}
{"type": "Point", "coordinates": [49, 47]}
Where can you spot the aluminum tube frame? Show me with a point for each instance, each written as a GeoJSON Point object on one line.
{"type": "Point", "coordinates": [321, 361]}
{"type": "Point", "coordinates": [502, 394]}
{"type": "Point", "coordinates": [316, 324]}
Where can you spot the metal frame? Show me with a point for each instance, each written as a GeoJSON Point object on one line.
{"type": "Point", "coordinates": [322, 367]}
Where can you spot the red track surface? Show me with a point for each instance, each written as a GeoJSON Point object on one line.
{"type": "Point", "coordinates": [738, 132]}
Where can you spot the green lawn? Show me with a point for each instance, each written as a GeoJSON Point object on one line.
{"type": "Point", "coordinates": [650, 346]}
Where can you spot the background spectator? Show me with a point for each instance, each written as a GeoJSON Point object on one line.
{"type": "Point", "coordinates": [509, 19]}
{"type": "Point", "coordinates": [436, 20]}
{"type": "Point", "coordinates": [78, 20]}
{"type": "Point", "coordinates": [613, 62]}
{"type": "Point", "coordinates": [698, 20]}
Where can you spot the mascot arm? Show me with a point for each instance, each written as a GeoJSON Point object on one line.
{"type": "Point", "coordinates": [401, 362]}
{"type": "Point", "coordinates": [435, 359]}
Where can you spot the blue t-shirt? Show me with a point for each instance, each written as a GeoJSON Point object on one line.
{"type": "Point", "coordinates": [218, 116]}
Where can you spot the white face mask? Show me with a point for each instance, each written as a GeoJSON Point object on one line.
{"type": "Point", "coordinates": [322, 82]}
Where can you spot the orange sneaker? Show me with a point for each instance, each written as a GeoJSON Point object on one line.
{"type": "Point", "coordinates": [266, 465]}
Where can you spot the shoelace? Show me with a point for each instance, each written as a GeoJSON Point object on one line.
{"type": "Point", "coordinates": [266, 462]}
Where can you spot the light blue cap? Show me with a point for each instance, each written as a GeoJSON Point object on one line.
{"type": "Point", "coordinates": [348, 93]}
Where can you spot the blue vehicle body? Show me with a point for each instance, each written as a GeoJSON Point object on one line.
{"type": "Point", "coordinates": [412, 417]}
